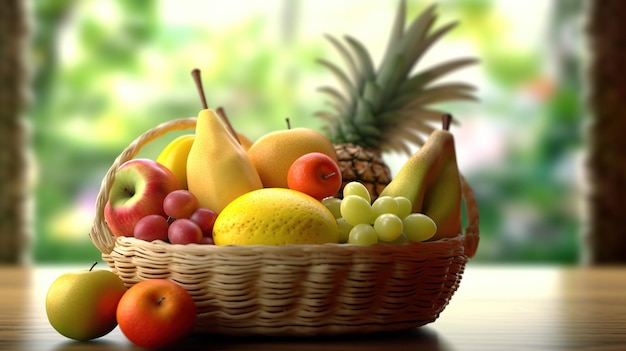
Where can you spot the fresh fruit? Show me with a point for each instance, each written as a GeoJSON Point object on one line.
{"type": "Point", "coordinates": [316, 174]}
{"type": "Point", "coordinates": [156, 313]}
{"type": "Point", "coordinates": [275, 216]}
{"type": "Point", "coordinates": [419, 227]}
{"type": "Point", "coordinates": [174, 157]}
{"type": "Point", "coordinates": [180, 204]}
{"type": "Point", "coordinates": [431, 180]}
{"type": "Point", "coordinates": [385, 204]}
{"type": "Point", "coordinates": [388, 227]}
{"type": "Point", "coordinates": [184, 231]}
{"type": "Point", "coordinates": [404, 206]}
{"type": "Point", "coordinates": [334, 205]}
{"type": "Point", "coordinates": [205, 219]}
{"type": "Point", "coordinates": [138, 190]}
{"type": "Point", "coordinates": [344, 230]}
{"type": "Point", "coordinates": [152, 227]}
{"type": "Point", "coordinates": [218, 169]}
{"type": "Point", "coordinates": [357, 189]}
{"type": "Point", "coordinates": [275, 152]}
{"type": "Point", "coordinates": [356, 210]}
{"type": "Point", "coordinates": [82, 305]}
{"type": "Point", "coordinates": [363, 234]}
{"type": "Point", "coordinates": [385, 109]}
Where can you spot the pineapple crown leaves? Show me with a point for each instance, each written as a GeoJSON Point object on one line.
{"type": "Point", "coordinates": [386, 108]}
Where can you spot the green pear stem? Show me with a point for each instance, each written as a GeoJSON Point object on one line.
{"type": "Point", "coordinates": [446, 120]}
{"type": "Point", "coordinates": [195, 73]}
{"type": "Point", "coordinates": [93, 265]}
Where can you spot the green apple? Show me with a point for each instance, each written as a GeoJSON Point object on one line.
{"type": "Point", "coordinates": [82, 305]}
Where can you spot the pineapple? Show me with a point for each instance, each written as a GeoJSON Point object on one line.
{"type": "Point", "coordinates": [387, 109]}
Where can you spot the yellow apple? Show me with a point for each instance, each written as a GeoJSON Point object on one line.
{"type": "Point", "coordinates": [82, 305]}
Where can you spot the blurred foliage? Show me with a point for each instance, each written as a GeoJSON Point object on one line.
{"type": "Point", "coordinates": [106, 71]}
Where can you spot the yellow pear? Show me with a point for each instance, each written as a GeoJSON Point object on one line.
{"type": "Point", "coordinates": [430, 179]}
{"type": "Point", "coordinates": [273, 153]}
{"type": "Point", "coordinates": [218, 168]}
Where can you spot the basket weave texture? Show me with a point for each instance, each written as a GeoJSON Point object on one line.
{"type": "Point", "coordinates": [294, 290]}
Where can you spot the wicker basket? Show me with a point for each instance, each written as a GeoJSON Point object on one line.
{"type": "Point", "coordinates": [295, 290]}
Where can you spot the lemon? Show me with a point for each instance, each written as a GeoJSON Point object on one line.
{"type": "Point", "coordinates": [275, 216]}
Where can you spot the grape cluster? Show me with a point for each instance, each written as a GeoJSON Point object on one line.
{"type": "Point", "coordinates": [386, 220]}
{"type": "Point", "coordinates": [187, 222]}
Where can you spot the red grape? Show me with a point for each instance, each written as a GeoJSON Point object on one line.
{"type": "Point", "coordinates": [184, 231]}
{"type": "Point", "coordinates": [204, 218]}
{"type": "Point", "coordinates": [207, 240]}
{"type": "Point", "coordinates": [152, 227]}
{"type": "Point", "coordinates": [180, 204]}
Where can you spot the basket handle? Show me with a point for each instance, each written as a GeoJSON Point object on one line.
{"type": "Point", "coordinates": [100, 234]}
{"type": "Point", "coordinates": [472, 235]}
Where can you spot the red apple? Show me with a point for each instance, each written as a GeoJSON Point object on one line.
{"type": "Point", "coordinates": [138, 190]}
{"type": "Point", "coordinates": [315, 174]}
{"type": "Point", "coordinates": [156, 313]}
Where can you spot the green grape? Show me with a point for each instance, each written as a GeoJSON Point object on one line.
{"type": "Point", "coordinates": [404, 206]}
{"type": "Point", "coordinates": [344, 230]}
{"type": "Point", "coordinates": [402, 239]}
{"type": "Point", "coordinates": [358, 189]}
{"type": "Point", "coordinates": [419, 227]}
{"type": "Point", "coordinates": [384, 204]}
{"type": "Point", "coordinates": [356, 210]}
{"type": "Point", "coordinates": [388, 227]}
{"type": "Point", "coordinates": [363, 234]}
{"type": "Point", "coordinates": [333, 204]}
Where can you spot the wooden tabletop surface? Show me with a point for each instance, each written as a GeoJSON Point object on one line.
{"type": "Point", "coordinates": [496, 308]}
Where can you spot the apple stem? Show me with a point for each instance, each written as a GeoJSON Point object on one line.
{"type": "Point", "coordinates": [446, 120]}
{"type": "Point", "coordinates": [160, 300]}
{"type": "Point", "coordinates": [93, 265]}
{"type": "Point", "coordinates": [329, 175]}
{"type": "Point", "coordinates": [288, 123]}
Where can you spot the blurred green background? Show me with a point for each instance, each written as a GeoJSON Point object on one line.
{"type": "Point", "coordinates": [105, 71]}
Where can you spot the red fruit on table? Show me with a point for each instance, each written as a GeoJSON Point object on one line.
{"type": "Point", "coordinates": [156, 313]}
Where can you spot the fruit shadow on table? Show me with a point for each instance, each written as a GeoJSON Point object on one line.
{"type": "Point", "coordinates": [423, 338]}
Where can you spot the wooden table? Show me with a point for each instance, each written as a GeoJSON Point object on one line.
{"type": "Point", "coordinates": [495, 308]}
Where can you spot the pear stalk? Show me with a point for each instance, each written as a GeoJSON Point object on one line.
{"type": "Point", "coordinates": [195, 73]}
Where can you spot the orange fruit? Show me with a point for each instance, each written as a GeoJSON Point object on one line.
{"type": "Point", "coordinates": [273, 153]}
{"type": "Point", "coordinates": [156, 313]}
{"type": "Point", "coordinates": [316, 174]}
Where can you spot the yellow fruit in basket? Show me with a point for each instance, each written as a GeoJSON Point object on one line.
{"type": "Point", "coordinates": [275, 216]}
{"type": "Point", "coordinates": [275, 152]}
{"type": "Point", "coordinates": [218, 169]}
{"type": "Point", "coordinates": [174, 157]}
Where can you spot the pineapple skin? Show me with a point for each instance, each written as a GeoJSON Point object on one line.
{"type": "Point", "coordinates": [363, 165]}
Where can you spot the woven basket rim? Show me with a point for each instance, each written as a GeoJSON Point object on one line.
{"type": "Point", "coordinates": [102, 237]}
